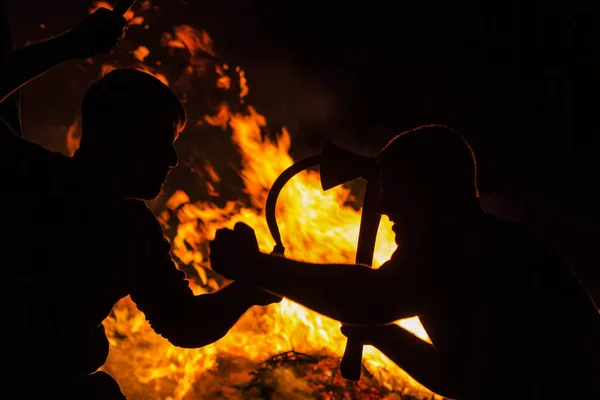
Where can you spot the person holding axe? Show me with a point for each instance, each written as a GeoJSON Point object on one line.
{"type": "Point", "coordinates": [80, 236]}
{"type": "Point", "coordinates": [506, 314]}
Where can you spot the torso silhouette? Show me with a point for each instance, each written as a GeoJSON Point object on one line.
{"type": "Point", "coordinates": [73, 253]}
{"type": "Point", "coordinates": [505, 312]}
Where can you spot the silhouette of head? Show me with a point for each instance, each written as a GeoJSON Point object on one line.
{"type": "Point", "coordinates": [130, 121]}
{"type": "Point", "coordinates": [428, 173]}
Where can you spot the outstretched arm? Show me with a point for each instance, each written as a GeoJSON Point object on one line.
{"type": "Point", "coordinates": [352, 294]}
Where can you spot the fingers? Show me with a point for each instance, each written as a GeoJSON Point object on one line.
{"type": "Point", "coordinates": [220, 239]}
{"type": "Point", "coordinates": [243, 228]}
{"type": "Point", "coordinates": [242, 237]}
{"type": "Point", "coordinates": [109, 17]}
{"type": "Point", "coordinates": [220, 243]}
{"type": "Point", "coordinates": [241, 225]}
{"type": "Point", "coordinates": [223, 234]}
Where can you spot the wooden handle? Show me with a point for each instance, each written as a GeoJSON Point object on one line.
{"type": "Point", "coordinates": [351, 365]}
{"type": "Point", "coordinates": [124, 6]}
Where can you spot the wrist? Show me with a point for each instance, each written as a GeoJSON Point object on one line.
{"type": "Point", "coordinates": [249, 269]}
{"type": "Point", "coordinates": [256, 267]}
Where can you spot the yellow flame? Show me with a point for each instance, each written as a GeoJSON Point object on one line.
{"type": "Point", "coordinates": [316, 226]}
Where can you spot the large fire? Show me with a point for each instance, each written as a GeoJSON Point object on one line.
{"type": "Point", "coordinates": [316, 226]}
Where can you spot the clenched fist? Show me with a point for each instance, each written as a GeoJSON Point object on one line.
{"type": "Point", "coordinates": [98, 33]}
{"type": "Point", "coordinates": [233, 253]}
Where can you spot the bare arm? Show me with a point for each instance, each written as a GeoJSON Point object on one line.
{"type": "Point", "coordinates": [187, 320]}
{"type": "Point", "coordinates": [23, 65]}
{"type": "Point", "coordinates": [352, 294]}
{"type": "Point", "coordinates": [163, 294]}
{"type": "Point", "coordinates": [418, 358]}
{"type": "Point", "coordinates": [97, 33]}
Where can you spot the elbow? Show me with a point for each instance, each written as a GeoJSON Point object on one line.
{"type": "Point", "coordinates": [189, 335]}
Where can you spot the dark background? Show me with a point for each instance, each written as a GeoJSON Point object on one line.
{"type": "Point", "coordinates": [518, 78]}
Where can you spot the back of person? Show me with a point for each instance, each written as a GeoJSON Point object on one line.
{"type": "Point", "coordinates": [531, 330]}
{"type": "Point", "coordinates": [68, 250]}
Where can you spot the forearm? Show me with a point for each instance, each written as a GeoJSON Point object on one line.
{"type": "Point", "coordinates": [418, 358]}
{"type": "Point", "coordinates": [352, 294]}
{"type": "Point", "coordinates": [21, 66]}
{"type": "Point", "coordinates": [204, 319]}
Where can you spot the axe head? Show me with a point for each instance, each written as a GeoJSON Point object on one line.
{"type": "Point", "coordinates": [339, 166]}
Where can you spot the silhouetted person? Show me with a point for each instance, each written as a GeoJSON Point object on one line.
{"type": "Point", "coordinates": [507, 316]}
{"type": "Point", "coordinates": [98, 33]}
{"type": "Point", "coordinates": [80, 238]}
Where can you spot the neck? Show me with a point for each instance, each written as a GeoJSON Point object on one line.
{"type": "Point", "coordinates": [446, 224]}
{"type": "Point", "coordinates": [95, 177]}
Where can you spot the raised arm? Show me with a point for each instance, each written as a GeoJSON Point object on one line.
{"type": "Point", "coordinates": [352, 294]}
{"type": "Point", "coordinates": [97, 33]}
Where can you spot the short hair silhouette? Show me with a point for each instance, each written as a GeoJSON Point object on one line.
{"type": "Point", "coordinates": [437, 153]}
{"type": "Point", "coordinates": [125, 96]}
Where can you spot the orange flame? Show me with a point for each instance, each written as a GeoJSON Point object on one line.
{"type": "Point", "coordinates": [316, 226]}
{"type": "Point", "coordinates": [187, 37]}
{"type": "Point", "coordinates": [329, 229]}
{"type": "Point", "coordinates": [73, 137]}
{"type": "Point", "coordinates": [141, 52]}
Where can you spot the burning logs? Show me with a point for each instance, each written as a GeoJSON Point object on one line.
{"type": "Point", "coordinates": [293, 375]}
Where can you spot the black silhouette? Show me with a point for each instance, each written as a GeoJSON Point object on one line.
{"type": "Point", "coordinates": [98, 33]}
{"type": "Point", "coordinates": [9, 107]}
{"type": "Point", "coordinates": [79, 236]}
{"type": "Point", "coordinates": [506, 314]}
